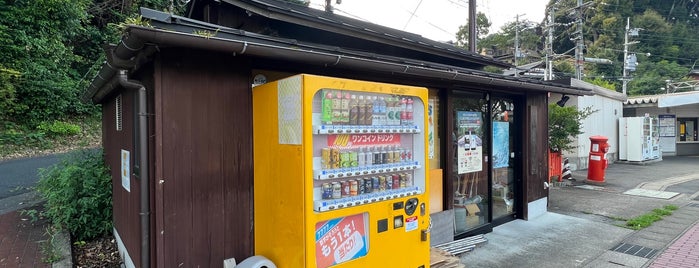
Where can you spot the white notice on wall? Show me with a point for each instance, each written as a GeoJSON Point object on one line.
{"type": "Point", "coordinates": [126, 170]}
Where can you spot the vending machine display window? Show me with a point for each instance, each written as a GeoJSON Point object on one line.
{"type": "Point", "coordinates": [364, 147]}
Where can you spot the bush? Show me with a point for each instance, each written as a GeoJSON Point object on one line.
{"type": "Point", "coordinates": [564, 125]}
{"type": "Point", "coordinates": [78, 193]}
{"type": "Point", "coordinates": [59, 128]}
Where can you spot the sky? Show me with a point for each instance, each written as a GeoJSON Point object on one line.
{"type": "Point", "coordinates": [438, 20]}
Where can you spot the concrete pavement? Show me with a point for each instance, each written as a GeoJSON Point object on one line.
{"type": "Point", "coordinates": [582, 227]}
{"type": "Point", "coordinates": [579, 231]}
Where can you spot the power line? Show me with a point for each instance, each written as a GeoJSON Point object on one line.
{"type": "Point", "coordinates": [412, 14]}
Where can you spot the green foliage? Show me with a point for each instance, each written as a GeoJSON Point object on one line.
{"type": "Point", "coordinates": [482, 25]}
{"type": "Point", "coordinates": [50, 51]}
{"type": "Point", "coordinates": [38, 46]}
{"type": "Point", "coordinates": [648, 219]}
{"type": "Point", "coordinates": [50, 248]}
{"type": "Point", "coordinates": [503, 40]}
{"type": "Point", "coordinates": [19, 135]}
{"type": "Point", "coordinates": [602, 83]}
{"type": "Point", "coordinates": [7, 92]}
{"type": "Point", "coordinates": [78, 193]}
{"type": "Point", "coordinates": [643, 221]}
{"type": "Point", "coordinates": [668, 33]}
{"type": "Point", "coordinates": [59, 128]}
{"type": "Point", "coordinates": [564, 125]}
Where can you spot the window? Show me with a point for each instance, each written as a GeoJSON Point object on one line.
{"type": "Point", "coordinates": [686, 129]}
{"type": "Point", "coordinates": [118, 113]}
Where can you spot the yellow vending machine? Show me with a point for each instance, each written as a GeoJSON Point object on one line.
{"type": "Point", "coordinates": [340, 173]}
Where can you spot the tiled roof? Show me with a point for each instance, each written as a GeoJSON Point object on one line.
{"type": "Point", "coordinates": [320, 19]}
{"type": "Point", "coordinates": [642, 100]}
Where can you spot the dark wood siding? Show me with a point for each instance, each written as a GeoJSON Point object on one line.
{"type": "Point", "coordinates": [535, 148]}
{"type": "Point", "coordinates": [204, 159]}
{"type": "Point", "coordinates": [126, 204]}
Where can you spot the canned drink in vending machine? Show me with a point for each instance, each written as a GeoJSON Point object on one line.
{"type": "Point", "coordinates": [354, 187]}
{"type": "Point", "coordinates": [361, 187]}
{"type": "Point", "coordinates": [325, 158]}
{"type": "Point", "coordinates": [377, 156]}
{"type": "Point", "coordinates": [408, 180]}
{"type": "Point", "coordinates": [334, 158]}
{"type": "Point", "coordinates": [361, 157]}
{"type": "Point", "coordinates": [345, 159]}
{"type": "Point", "coordinates": [395, 178]}
{"type": "Point", "coordinates": [327, 191]}
{"type": "Point", "coordinates": [396, 154]}
{"type": "Point", "coordinates": [345, 188]}
{"type": "Point", "coordinates": [354, 158]}
{"type": "Point", "coordinates": [337, 190]}
{"type": "Point", "coordinates": [368, 188]}
{"type": "Point", "coordinates": [382, 183]}
{"type": "Point", "coordinates": [374, 184]}
{"type": "Point", "coordinates": [389, 182]}
{"type": "Point", "coordinates": [402, 180]}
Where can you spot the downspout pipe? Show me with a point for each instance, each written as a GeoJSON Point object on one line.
{"type": "Point", "coordinates": [143, 162]}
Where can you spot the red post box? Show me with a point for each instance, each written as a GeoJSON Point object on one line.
{"type": "Point", "coordinates": [597, 161]}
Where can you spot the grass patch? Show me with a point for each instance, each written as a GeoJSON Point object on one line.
{"type": "Point", "coordinates": [649, 218]}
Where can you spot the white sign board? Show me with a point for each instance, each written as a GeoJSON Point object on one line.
{"type": "Point", "coordinates": [126, 170]}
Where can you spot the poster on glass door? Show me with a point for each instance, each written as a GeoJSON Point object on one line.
{"type": "Point", "coordinates": [469, 142]}
{"type": "Point", "coordinates": [501, 144]}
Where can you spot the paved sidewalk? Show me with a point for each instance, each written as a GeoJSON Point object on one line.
{"type": "Point", "coordinates": [582, 227]}
{"type": "Point", "coordinates": [682, 253]}
{"type": "Point", "coordinates": [20, 241]}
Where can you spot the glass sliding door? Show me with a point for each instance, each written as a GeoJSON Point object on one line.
{"type": "Point", "coordinates": [503, 157]}
{"type": "Point", "coordinates": [469, 169]}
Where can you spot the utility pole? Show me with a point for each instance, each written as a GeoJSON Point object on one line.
{"type": "Point", "coordinates": [548, 72]}
{"type": "Point", "coordinates": [580, 42]}
{"type": "Point", "coordinates": [472, 26]}
{"type": "Point", "coordinates": [629, 64]}
{"type": "Point", "coordinates": [516, 54]}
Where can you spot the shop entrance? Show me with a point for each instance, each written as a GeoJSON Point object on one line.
{"type": "Point", "coordinates": [482, 162]}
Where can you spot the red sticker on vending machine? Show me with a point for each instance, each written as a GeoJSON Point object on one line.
{"type": "Point", "coordinates": [340, 240]}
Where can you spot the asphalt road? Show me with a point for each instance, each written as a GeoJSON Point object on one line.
{"type": "Point", "coordinates": [19, 176]}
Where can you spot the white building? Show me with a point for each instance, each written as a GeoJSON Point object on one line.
{"type": "Point", "coordinates": [608, 107]}
{"type": "Point", "coordinates": [678, 115]}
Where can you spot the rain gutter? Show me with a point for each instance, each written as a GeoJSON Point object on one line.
{"type": "Point", "coordinates": [137, 37]}
{"type": "Point", "coordinates": [142, 111]}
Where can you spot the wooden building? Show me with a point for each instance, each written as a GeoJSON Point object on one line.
{"type": "Point", "coordinates": [177, 122]}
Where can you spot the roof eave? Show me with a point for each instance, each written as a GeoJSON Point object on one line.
{"type": "Point", "coordinates": [137, 37]}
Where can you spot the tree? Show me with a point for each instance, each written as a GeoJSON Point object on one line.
{"type": "Point", "coordinates": [564, 125]}
{"type": "Point", "coordinates": [482, 26]}
{"type": "Point", "coordinates": [38, 46]}
{"type": "Point", "coordinates": [504, 39]}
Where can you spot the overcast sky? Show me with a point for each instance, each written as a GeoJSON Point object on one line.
{"type": "Point", "coordinates": [436, 19]}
